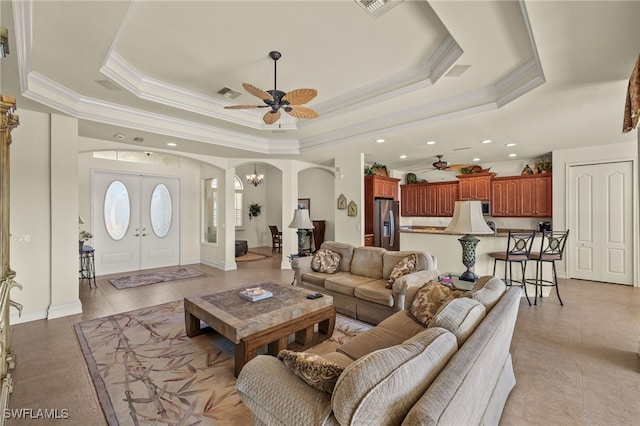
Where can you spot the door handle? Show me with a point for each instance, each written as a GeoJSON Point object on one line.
{"type": "Point", "coordinates": [393, 227]}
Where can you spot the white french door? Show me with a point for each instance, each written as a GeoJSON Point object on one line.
{"type": "Point", "coordinates": [136, 221]}
{"type": "Point", "coordinates": [601, 222]}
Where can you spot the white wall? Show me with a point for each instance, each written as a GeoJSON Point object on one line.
{"type": "Point", "coordinates": [30, 224]}
{"type": "Point", "coordinates": [350, 229]}
{"type": "Point", "coordinates": [318, 185]}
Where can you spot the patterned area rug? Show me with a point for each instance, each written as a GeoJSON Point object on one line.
{"type": "Point", "coordinates": [147, 278]}
{"type": "Point", "coordinates": [147, 371]}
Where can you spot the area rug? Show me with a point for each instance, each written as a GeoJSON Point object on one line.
{"type": "Point", "coordinates": [147, 371]}
{"type": "Point", "coordinates": [250, 256]}
{"type": "Point", "coordinates": [147, 278]}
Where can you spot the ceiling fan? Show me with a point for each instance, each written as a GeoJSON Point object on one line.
{"type": "Point", "coordinates": [444, 165]}
{"type": "Point", "coordinates": [291, 102]}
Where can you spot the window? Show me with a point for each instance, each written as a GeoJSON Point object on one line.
{"type": "Point", "coordinates": [211, 208]}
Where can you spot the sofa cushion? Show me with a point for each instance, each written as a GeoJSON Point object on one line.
{"type": "Point", "coordinates": [367, 262]}
{"type": "Point", "coordinates": [338, 358]}
{"type": "Point", "coordinates": [429, 299]}
{"type": "Point", "coordinates": [402, 322]}
{"type": "Point", "coordinates": [317, 278]}
{"type": "Point", "coordinates": [345, 283]}
{"type": "Point", "coordinates": [362, 392]}
{"type": "Point", "coordinates": [375, 291]}
{"type": "Point", "coordinates": [315, 370]}
{"type": "Point", "coordinates": [344, 250]}
{"type": "Point", "coordinates": [460, 316]}
{"type": "Point", "coordinates": [488, 290]}
{"type": "Point", "coordinates": [405, 266]}
{"type": "Point", "coordinates": [325, 260]}
{"type": "Point", "coordinates": [370, 341]}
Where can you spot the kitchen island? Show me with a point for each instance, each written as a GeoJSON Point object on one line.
{"type": "Point", "coordinates": [446, 247]}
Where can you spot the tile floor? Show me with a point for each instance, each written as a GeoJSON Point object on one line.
{"type": "Point", "coordinates": [575, 365]}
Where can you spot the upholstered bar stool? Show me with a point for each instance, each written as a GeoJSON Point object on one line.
{"type": "Point", "coordinates": [551, 250]}
{"type": "Point", "coordinates": [518, 249]}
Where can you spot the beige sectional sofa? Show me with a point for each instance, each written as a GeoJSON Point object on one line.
{"type": "Point", "coordinates": [458, 371]}
{"type": "Point", "coordinates": [358, 286]}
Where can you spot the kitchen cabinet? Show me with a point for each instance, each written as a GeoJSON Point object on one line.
{"type": "Point", "coordinates": [447, 197]}
{"type": "Point", "coordinates": [522, 196]}
{"type": "Point", "coordinates": [476, 186]}
{"type": "Point", "coordinates": [428, 199]}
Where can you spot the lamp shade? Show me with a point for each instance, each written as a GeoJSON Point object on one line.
{"type": "Point", "coordinates": [301, 219]}
{"type": "Point", "coordinates": [468, 219]}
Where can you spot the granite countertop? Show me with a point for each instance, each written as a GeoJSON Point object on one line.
{"type": "Point", "coordinates": [502, 232]}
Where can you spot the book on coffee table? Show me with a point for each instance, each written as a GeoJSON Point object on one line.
{"type": "Point", "coordinates": [256, 293]}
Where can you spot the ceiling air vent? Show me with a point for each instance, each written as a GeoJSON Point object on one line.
{"type": "Point", "coordinates": [230, 93]}
{"type": "Point", "coordinates": [376, 8]}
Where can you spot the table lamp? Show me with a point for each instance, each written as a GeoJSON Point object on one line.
{"type": "Point", "coordinates": [468, 220]}
{"type": "Point", "coordinates": [302, 222]}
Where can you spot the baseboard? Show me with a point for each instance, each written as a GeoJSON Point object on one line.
{"type": "Point", "coordinates": [59, 311]}
{"type": "Point", "coordinates": [219, 265]}
{"type": "Point", "coordinates": [27, 316]}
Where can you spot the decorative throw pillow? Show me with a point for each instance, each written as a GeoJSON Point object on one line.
{"type": "Point", "coordinates": [316, 371]}
{"type": "Point", "coordinates": [429, 299]}
{"type": "Point", "coordinates": [405, 266]}
{"type": "Point", "coordinates": [325, 260]}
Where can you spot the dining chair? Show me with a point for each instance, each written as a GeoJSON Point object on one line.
{"type": "Point", "coordinates": [276, 239]}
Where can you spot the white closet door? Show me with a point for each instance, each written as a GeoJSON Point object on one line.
{"type": "Point", "coordinates": [601, 222]}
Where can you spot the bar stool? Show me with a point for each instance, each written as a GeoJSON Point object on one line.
{"type": "Point", "coordinates": [518, 249]}
{"type": "Point", "coordinates": [87, 265]}
{"type": "Point", "coordinates": [551, 249]}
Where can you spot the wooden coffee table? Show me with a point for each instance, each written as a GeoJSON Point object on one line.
{"type": "Point", "coordinates": [270, 322]}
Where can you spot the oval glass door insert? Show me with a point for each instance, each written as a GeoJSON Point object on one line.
{"type": "Point", "coordinates": [117, 210]}
{"type": "Point", "coordinates": [160, 210]}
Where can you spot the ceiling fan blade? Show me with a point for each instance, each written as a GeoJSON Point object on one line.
{"type": "Point", "coordinates": [301, 112]}
{"type": "Point", "coordinates": [271, 117]}
{"type": "Point", "coordinates": [300, 96]}
{"type": "Point", "coordinates": [456, 166]}
{"type": "Point", "coordinates": [258, 93]}
{"type": "Point", "coordinates": [244, 106]}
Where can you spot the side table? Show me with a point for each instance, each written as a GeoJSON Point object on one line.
{"type": "Point", "coordinates": [87, 265]}
{"type": "Point", "coordinates": [454, 279]}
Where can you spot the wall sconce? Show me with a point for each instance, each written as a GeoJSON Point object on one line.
{"type": "Point", "coordinates": [4, 42]}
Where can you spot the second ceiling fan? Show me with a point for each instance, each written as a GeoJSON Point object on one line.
{"type": "Point", "coordinates": [291, 102]}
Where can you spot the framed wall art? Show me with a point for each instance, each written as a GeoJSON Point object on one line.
{"type": "Point", "coordinates": [342, 202]}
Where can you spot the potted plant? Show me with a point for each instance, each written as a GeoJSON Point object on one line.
{"type": "Point", "coordinates": [543, 166]}
{"type": "Point", "coordinates": [82, 237]}
{"type": "Point", "coordinates": [254, 210]}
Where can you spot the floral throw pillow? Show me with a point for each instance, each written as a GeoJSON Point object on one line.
{"type": "Point", "coordinates": [326, 261]}
{"type": "Point", "coordinates": [429, 299]}
{"type": "Point", "coordinates": [405, 266]}
{"type": "Point", "coordinates": [316, 371]}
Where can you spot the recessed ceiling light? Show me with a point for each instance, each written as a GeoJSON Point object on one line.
{"type": "Point", "coordinates": [487, 141]}
{"type": "Point", "coordinates": [380, 140]}
{"type": "Point", "coordinates": [138, 139]}
{"type": "Point", "coordinates": [476, 159]}
{"type": "Point", "coordinates": [403, 156]}
{"type": "Point", "coordinates": [431, 143]}
{"type": "Point", "coordinates": [172, 144]}
{"type": "Point", "coordinates": [119, 136]}
{"type": "Point", "coordinates": [513, 155]}
{"type": "Point", "coordinates": [510, 144]}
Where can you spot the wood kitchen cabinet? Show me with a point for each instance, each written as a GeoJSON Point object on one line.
{"type": "Point", "coordinates": [522, 196]}
{"type": "Point", "coordinates": [476, 186]}
{"type": "Point", "coordinates": [428, 199]}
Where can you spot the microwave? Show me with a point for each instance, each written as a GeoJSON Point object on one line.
{"type": "Point", "coordinates": [486, 208]}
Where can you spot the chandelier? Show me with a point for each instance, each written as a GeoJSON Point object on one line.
{"type": "Point", "coordinates": [255, 179]}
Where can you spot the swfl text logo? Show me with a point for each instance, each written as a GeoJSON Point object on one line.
{"type": "Point", "coordinates": [36, 413]}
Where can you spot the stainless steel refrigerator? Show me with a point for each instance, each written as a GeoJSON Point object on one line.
{"type": "Point", "coordinates": [386, 224]}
